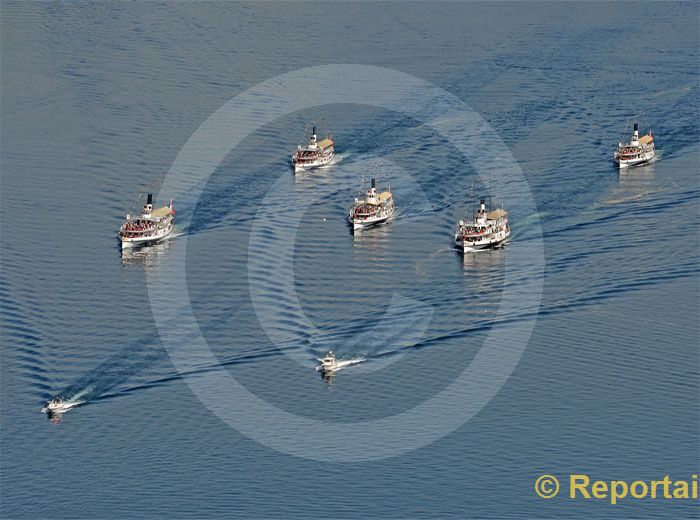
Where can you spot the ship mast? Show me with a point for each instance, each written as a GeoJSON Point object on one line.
{"type": "Point", "coordinates": [472, 196]}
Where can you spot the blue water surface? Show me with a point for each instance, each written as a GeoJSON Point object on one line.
{"type": "Point", "coordinates": [97, 100]}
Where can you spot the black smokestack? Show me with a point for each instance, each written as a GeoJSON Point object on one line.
{"type": "Point", "coordinates": [374, 184]}
{"type": "Point", "coordinates": [149, 199]}
{"type": "Point", "coordinates": [636, 127]}
{"type": "Point", "coordinates": [314, 131]}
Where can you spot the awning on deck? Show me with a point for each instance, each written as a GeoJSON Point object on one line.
{"type": "Point", "coordinates": [161, 212]}
{"type": "Point", "coordinates": [496, 214]}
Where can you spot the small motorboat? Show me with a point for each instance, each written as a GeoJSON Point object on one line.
{"type": "Point", "coordinates": [328, 362]}
{"type": "Point", "coordinates": [59, 406]}
{"type": "Point", "coordinates": [639, 150]}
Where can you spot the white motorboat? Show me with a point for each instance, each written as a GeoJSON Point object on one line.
{"type": "Point", "coordinates": [639, 150]}
{"type": "Point", "coordinates": [487, 229]}
{"type": "Point", "coordinates": [328, 362]}
{"type": "Point", "coordinates": [151, 226]}
{"type": "Point", "coordinates": [58, 406]}
{"type": "Point", "coordinates": [375, 208]}
{"type": "Point", "coordinates": [313, 154]}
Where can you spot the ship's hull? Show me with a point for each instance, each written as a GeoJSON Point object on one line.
{"type": "Point", "coordinates": [490, 242]}
{"type": "Point", "coordinates": [359, 224]}
{"type": "Point", "coordinates": [323, 160]}
{"type": "Point", "coordinates": [364, 224]}
{"type": "Point", "coordinates": [129, 242]}
{"type": "Point", "coordinates": [642, 159]}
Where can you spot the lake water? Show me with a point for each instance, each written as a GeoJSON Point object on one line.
{"type": "Point", "coordinates": [99, 99]}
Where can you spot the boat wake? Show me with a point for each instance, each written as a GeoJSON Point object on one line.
{"type": "Point", "coordinates": [175, 234]}
{"type": "Point", "coordinates": [525, 227]}
{"type": "Point", "coordinates": [631, 198]}
{"type": "Point", "coordinates": [534, 218]}
{"type": "Point", "coordinates": [656, 157]}
{"type": "Point", "coordinates": [420, 264]}
{"type": "Point", "coordinates": [337, 159]}
{"type": "Point", "coordinates": [681, 90]}
{"type": "Point", "coordinates": [113, 372]}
